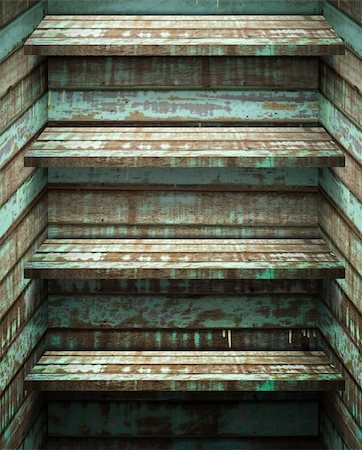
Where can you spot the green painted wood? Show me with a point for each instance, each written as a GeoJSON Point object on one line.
{"type": "Point", "coordinates": [138, 259]}
{"type": "Point", "coordinates": [202, 443]}
{"type": "Point", "coordinates": [342, 196]}
{"type": "Point", "coordinates": [183, 106]}
{"type": "Point", "coordinates": [183, 147]}
{"type": "Point", "coordinates": [182, 312]}
{"type": "Point", "coordinates": [278, 178]}
{"type": "Point", "coordinates": [329, 435]}
{"type": "Point", "coordinates": [176, 36]}
{"type": "Point", "coordinates": [18, 203]}
{"type": "Point", "coordinates": [339, 340]}
{"type": "Point", "coordinates": [9, 10]}
{"type": "Point", "coordinates": [186, 7]}
{"type": "Point", "coordinates": [21, 131]}
{"type": "Point", "coordinates": [234, 418]}
{"type": "Point", "coordinates": [13, 34]}
{"type": "Point", "coordinates": [347, 28]}
{"type": "Point", "coordinates": [23, 345]}
{"type": "Point", "coordinates": [341, 128]}
{"type": "Point", "coordinates": [182, 73]}
{"type": "Point", "coordinates": [22, 96]}
{"type": "Point", "coordinates": [35, 437]}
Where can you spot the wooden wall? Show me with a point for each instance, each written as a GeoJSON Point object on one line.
{"type": "Point", "coordinates": [166, 203]}
{"type": "Point", "coordinates": [23, 222]}
{"type": "Point", "coordinates": [340, 218]}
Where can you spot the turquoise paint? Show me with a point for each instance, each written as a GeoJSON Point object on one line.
{"type": "Point", "coordinates": [198, 105]}
{"type": "Point", "coordinates": [339, 340]}
{"type": "Point", "coordinates": [154, 311]}
{"type": "Point", "coordinates": [231, 176]}
{"type": "Point", "coordinates": [21, 131]}
{"type": "Point", "coordinates": [184, 7]}
{"type": "Point", "coordinates": [35, 437]}
{"type": "Point", "coordinates": [348, 29]}
{"type": "Point", "coordinates": [340, 127]}
{"type": "Point", "coordinates": [342, 196]}
{"type": "Point", "coordinates": [11, 210]}
{"type": "Point", "coordinates": [234, 417]}
{"type": "Point", "coordinates": [23, 345]}
{"type": "Point", "coordinates": [13, 34]}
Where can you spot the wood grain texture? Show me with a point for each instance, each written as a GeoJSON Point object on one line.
{"type": "Point", "coordinates": [137, 259]}
{"type": "Point", "coordinates": [202, 443]}
{"type": "Point", "coordinates": [9, 9]}
{"type": "Point", "coordinates": [184, 35]}
{"type": "Point", "coordinates": [142, 106]}
{"type": "Point", "coordinates": [352, 8]}
{"type": "Point", "coordinates": [203, 339]}
{"type": "Point", "coordinates": [167, 72]}
{"type": "Point", "coordinates": [235, 418]}
{"type": "Point", "coordinates": [192, 312]}
{"type": "Point", "coordinates": [191, 371]}
{"type": "Point", "coordinates": [183, 147]}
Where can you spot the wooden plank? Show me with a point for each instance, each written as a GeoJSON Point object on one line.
{"type": "Point", "coordinates": [344, 96]}
{"type": "Point", "coordinates": [203, 339]}
{"type": "Point", "coordinates": [22, 130]}
{"type": "Point", "coordinates": [211, 148]}
{"type": "Point", "coordinates": [182, 73]}
{"type": "Point", "coordinates": [348, 134]}
{"type": "Point", "coordinates": [22, 96]}
{"type": "Point", "coordinates": [352, 8]}
{"type": "Point", "coordinates": [120, 261]}
{"type": "Point", "coordinates": [348, 66]}
{"type": "Point", "coordinates": [184, 35]}
{"type": "Point", "coordinates": [9, 9]}
{"type": "Point", "coordinates": [186, 7]}
{"type": "Point", "coordinates": [183, 288]}
{"type": "Point", "coordinates": [202, 443]}
{"type": "Point", "coordinates": [37, 434]}
{"type": "Point", "coordinates": [247, 179]}
{"type": "Point", "coordinates": [180, 373]}
{"type": "Point", "coordinates": [14, 394]}
{"type": "Point", "coordinates": [242, 106]}
{"type": "Point", "coordinates": [348, 29]}
{"type": "Point", "coordinates": [16, 66]}
{"type": "Point", "coordinates": [182, 312]}
{"type": "Point", "coordinates": [14, 33]}
{"type": "Point", "coordinates": [186, 418]}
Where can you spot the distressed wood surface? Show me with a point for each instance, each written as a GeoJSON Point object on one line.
{"type": "Point", "coordinates": [185, 371]}
{"type": "Point", "coordinates": [183, 147]}
{"type": "Point", "coordinates": [180, 258]}
{"type": "Point", "coordinates": [9, 9]}
{"type": "Point", "coordinates": [191, 312]}
{"type": "Point", "coordinates": [184, 106]}
{"type": "Point", "coordinates": [352, 8]}
{"type": "Point", "coordinates": [202, 443]}
{"type": "Point", "coordinates": [149, 211]}
{"type": "Point", "coordinates": [167, 72]}
{"type": "Point", "coordinates": [184, 35]}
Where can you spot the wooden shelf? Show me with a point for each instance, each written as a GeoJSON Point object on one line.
{"type": "Point", "coordinates": [183, 371]}
{"type": "Point", "coordinates": [184, 259]}
{"type": "Point", "coordinates": [184, 147]}
{"type": "Point", "coordinates": [226, 35]}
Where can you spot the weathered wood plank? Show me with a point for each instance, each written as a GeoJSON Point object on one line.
{"type": "Point", "coordinates": [68, 260]}
{"type": "Point", "coordinates": [179, 374]}
{"type": "Point", "coordinates": [22, 130]}
{"type": "Point", "coordinates": [202, 443]}
{"type": "Point", "coordinates": [22, 96]}
{"type": "Point", "coordinates": [9, 9]}
{"type": "Point", "coordinates": [344, 96]}
{"type": "Point", "coordinates": [184, 106]}
{"type": "Point", "coordinates": [241, 339]}
{"type": "Point", "coordinates": [184, 35]}
{"type": "Point", "coordinates": [182, 312]}
{"type": "Point", "coordinates": [161, 419]}
{"type": "Point", "coordinates": [182, 287]}
{"type": "Point", "coordinates": [14, 33]}
{"type": "Point", "coordinates": [186, 7]}
{"type": "Point", "coordinates": [347, 66]}
{"type": "Point", "coordinates": [183, 147]}
{"type": "Point", "coordinates": [352, 8]}
{"type": "Point", "coordinates": [182, 73]}
{"type": "Point", "coordinates": [16, 67]}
